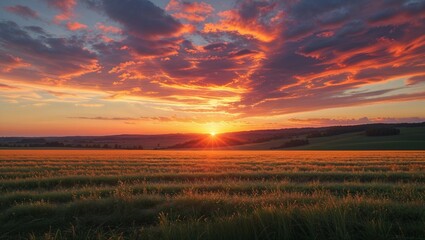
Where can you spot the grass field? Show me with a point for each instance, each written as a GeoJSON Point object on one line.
{"type": "Point", "coordinates": [409, 139]}
{"type": "Point", "coordinates": [412, 138]}
{"type": "Point", "coordinates": [107, 194]}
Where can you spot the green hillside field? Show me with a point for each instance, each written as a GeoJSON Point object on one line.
{"type": "Point", "coordinates": [411, 138]}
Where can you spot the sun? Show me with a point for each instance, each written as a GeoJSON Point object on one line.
{"type": "Point", "coordinates": [212, 134]}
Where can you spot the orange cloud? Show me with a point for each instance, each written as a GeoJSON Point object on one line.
{"type": "Point", "coordinates": [7, 87]}
{"type": "Point", "coordinates": [89, 105]}
{"type": "Point", "coordinates": [61, 94]}
{"type": "Point", "coordinates": [191, 11]}
{"type": "Point", "coordinates": [75, 26]}
{"type": "Point", "coordinates": [8, 63]}
{"type": "Point", "coordinates": [192, 119]}
{"type": "Point", "coordinates": [23, 11]}
{"type": "Point", "coordinates": [352, 121]}
{"type": "Point", "coordinates": [108, 29]}
{"type": "Point", "coordinates": [416, 80]}
{"type": "Point", "coordinates": [66, 8]}
{"type": "Point", "coordinates": [258, 20]}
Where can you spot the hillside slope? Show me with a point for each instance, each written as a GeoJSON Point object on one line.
{"type": "Point", "coordinates": [409, 139]}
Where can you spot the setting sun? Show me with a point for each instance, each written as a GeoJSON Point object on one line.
{"type": "Point", "coordinates": [212, 134]}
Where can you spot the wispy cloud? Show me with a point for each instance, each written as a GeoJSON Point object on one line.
{"type": "Point", "coordinates": [193, 119]}
{"type": "Point", "coordinates": [353, 121]}
{"type": "Point", "coordinates": [90, 105]}
{"type": "Point", "coordinates": [23, 11]}
{"type": "Point", "coordinates": [190, 11]}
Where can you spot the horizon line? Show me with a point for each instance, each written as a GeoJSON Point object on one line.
{"type": "Point", "coordinates": [206, 133]}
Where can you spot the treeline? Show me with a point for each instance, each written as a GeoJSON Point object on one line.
{"type": "Point", "coordinates": [332, 131]}
{"type": "Point", "coordinates": [336, 130]}
{"type": "Point", "coordinates": [369, 129]}
{"type": "Point", "coordinates": [382, 131]}
{"type": "Point", "coordinates": [293, 143]}
{"type": "Point", "coordinates": [287, 133]}
{"type": "Point", "coordinates": [373, 129]}
{"type": "Point", "coordinates": [227, 139]}
{"type": "Point", "coordinates": [25, 143]}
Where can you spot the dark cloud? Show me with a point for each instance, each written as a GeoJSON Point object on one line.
{"type": "Point", "coordinates": [346, 41]}
{"type": "Point", "coordinates": [141, 18]}
{"type": "Point", "coordinates": [107, 118]}
{"type": "Point", "coordinates": [335, 16]}
{"type": "Point", "coordinates": [23, 11]}
{"type": "Point", "coordinates": [413, 6]}
{"type": "Point", "coordinates": [145, 47]}
{"type": "Point", "coordinates": [296, 30]}
{"type": "Point", "coordinates": [215, 46]}
{"type": "Point", "coordinates": [383, 14]}
{"type": "Point", "coordinates": [388, 72]}
{"type": "Point", "coordinates": [65, 7]}
{"type": "Point", "coordinates": [36, 29]}
{"type": "Point", "coordinates": [322, 8]}
{"type": "Point", "coordinates": [144, 118]}
{"type": "Point", "coordinates": [55, 57]}
{"type": "Point", "coordinates": [149, 30]}
{"type": "Point", "coordinates": [250, 10]}
{"type": "Point", "coordinates": [416, 79]}
{"type": "Point", "coordinates": [7, 87]}
{"type": "Point", "coordinates": [242, 53]}
{"type": "Point", "coordinates": [9, 62]}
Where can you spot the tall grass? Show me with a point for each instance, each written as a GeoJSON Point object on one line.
{"type": "Point", "coordinates": [211, 195]}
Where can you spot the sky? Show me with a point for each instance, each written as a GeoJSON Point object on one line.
{"type": "Point", "coordinates": [101, 67]}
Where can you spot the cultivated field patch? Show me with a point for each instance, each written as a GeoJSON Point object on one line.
{"type": "Point", "coordinates": [107, 194]}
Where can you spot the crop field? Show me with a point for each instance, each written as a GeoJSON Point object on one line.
{"type": "Point", "coordinates": [123, 194]}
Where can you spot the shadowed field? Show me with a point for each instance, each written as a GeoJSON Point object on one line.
{"type": "Point", "coordinates": [101, 194]}
{"type": "Point", "coordinates": [409, 139]}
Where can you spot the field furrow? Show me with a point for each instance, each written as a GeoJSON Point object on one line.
{"type": "Point", "coordinates": [211, 195]}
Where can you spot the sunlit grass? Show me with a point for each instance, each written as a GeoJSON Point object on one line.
{"type": "Point", "coordinates": [211, 195]}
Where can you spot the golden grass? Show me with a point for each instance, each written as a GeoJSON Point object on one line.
{"type": "Point", "coordinates": [101, 194]}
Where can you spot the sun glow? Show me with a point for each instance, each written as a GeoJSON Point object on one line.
{"type": "Point", "coordinates": [213, 134]}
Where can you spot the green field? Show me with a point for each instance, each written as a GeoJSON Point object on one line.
{"type": "Point", "coordinates": [107, 194]}
{"type": "Point", "coordinates": [412, 138]}
{"type": "Point", "coordinates": [409, 139]}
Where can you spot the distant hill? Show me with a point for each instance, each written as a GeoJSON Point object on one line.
{"type": "Point", "coordinates": [107, 142]}
{"type": "Point", "coordinates": [357, 137]}
{"type": "Point", "coordinates": [408, 139]}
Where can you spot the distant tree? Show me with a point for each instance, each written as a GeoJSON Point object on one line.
{"type": "Point", "coordinates": [382, 131]}
{"type": "Point", "coordinates": [315, 134]}
{"type": "Point", "coordinates": [33, 141]}
{"type": "Point", "coordinates": [293, 143]}
{"type": "Point", "coordinates": [54, 144]}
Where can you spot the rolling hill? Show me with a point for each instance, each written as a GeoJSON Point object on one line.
{"type": "Point", "coordinates": [404, 136]}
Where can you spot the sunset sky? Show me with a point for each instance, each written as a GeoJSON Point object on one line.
{"type": "Point", "coordinates": [99, 67]}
